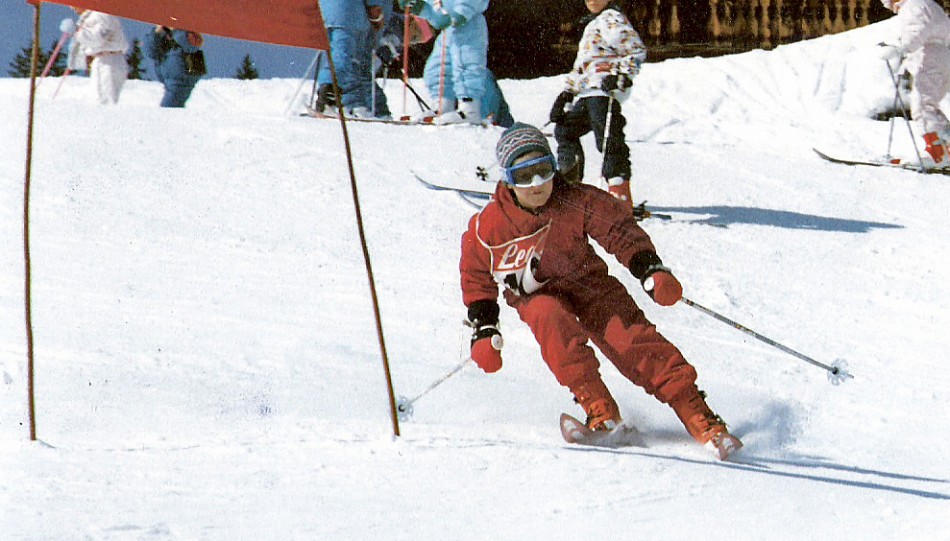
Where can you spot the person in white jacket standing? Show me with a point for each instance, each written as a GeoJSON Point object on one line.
{"type": "Point", "coordinates": [924, 36]}
{"type": "Point", "coordinates": [99, 45]}
{"type": "Point", "coordinates": [609, 56]}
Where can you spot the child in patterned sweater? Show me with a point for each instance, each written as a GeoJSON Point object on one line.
{"type": "Point", "coordinates": [608, 58]}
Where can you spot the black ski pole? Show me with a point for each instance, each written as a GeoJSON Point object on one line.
{"type": "Point", "coordinates": [422, 103]}
{"type": "Point", "coordinates": [837, 371]}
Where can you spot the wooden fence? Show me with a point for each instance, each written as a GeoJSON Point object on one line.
{"type": "Point", "coordinates": [678, 27]}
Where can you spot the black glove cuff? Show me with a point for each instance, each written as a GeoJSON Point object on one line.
{"type": "Point", "coordinates": [482, 313]}
{"type": "Point", "coordinates": [642, 265]}
{"type": "Point", "coordinates": [486, 331]}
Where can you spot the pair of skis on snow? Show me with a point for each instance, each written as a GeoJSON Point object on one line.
{"type": "Point", "coordinates": [896, 165]}
{"type": "Point", "coordinates": [477, 197]}
{"type": "Point", "coordinates": [424, 121]}
{"type": "Point", "coordinates": [626, 435]}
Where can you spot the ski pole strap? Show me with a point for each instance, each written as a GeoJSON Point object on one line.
{"type": "Point", "coordinates": [834, 370]}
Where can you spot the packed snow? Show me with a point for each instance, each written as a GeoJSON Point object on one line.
{"type": "Point", "coordinates": [207, 360]}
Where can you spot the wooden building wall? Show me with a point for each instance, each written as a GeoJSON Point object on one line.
{"type": "Point", "coordinates": [532, 38]}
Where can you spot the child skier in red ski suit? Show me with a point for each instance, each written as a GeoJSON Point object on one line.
{"type": "Point", "coordinates": [532, 238]}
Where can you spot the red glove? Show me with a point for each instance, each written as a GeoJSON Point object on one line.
{"type": "Point", "coordinates": [486, 348]}
{"type": "Point", "coordinates": [663, 288]}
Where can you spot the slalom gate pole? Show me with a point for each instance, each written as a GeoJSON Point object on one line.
{"type": "Point", "coordinates": [405, 60]}
{"type": "Point", "coordinates": [27, 266]}
{"type": "Point", "coordinates": [837, 372]}
{"type": "Point", "coordinates": [900, 101]}
{"type": "Point", "coordinates": [366, 259]}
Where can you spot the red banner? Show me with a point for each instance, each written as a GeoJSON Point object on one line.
{"type": "Point", "coordinates": [297, 23]}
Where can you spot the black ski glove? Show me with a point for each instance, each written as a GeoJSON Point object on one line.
{"type": "Point", "coordinates": [615, 82]}
{"type": "Point", "coordinates": [557, 110]}
{"type": "Point", "coordinates": [386, 53]}
{"type": "Point", "coordinates": [486, 339]}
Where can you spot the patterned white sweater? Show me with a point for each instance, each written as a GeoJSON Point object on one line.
{"type": "Point", "coordinates": [609, 44]}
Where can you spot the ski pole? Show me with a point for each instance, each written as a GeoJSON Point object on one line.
{"type": "Point", "coordinates": [900, 101]}
{"type": "Point", "coordinates": [405, 60]}
{"type": "Point", "coordinates": [303, 81]}
{"type": "Point", "coordinates": [317, 66]}
{"type": "Point", "coordinates": [837, 371]}
{"type": "Point", "coordinates": [421, 102]}
{"type": "Point", "coordinates": [607, 123]}
{"type": "Point", "coordinates": [61, 81]}
{"type": "Point", "coordinates": [890, 133]}
{"type": "Point", "coordinates": [445, 42]}
{"type": "Point", "coordinates": [404, 405]}
{"type": "Point", "coordinates": [372, 74]}
{"type": "Point", "coordinates": [53, 56]}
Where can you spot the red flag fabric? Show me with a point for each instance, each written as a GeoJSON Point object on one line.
{"type": "Point", "coordinates": [297, 23]}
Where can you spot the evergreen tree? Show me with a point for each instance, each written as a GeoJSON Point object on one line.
{"type": "Point", "coordinates": [20, 66]}
{"type": "Point", "coordinates": [134, 60]}
{"type": "Point", "coordinates": [247, 70]}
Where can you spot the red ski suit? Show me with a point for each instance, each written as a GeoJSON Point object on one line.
{"type": "Point", "coordinates": [561, 289]}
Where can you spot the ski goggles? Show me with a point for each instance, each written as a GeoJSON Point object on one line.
{"type": "Point", "coordinates": [534, 172]}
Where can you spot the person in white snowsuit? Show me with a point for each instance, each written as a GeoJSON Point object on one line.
{"type": "Point", "coordinates": [609, 56]}
{"type": "Point", "coordinates": [99, 45]}
{"type": "Point", "coordinates": [923, 42]}
{"type": "Point", "coordinates": [465, 31]}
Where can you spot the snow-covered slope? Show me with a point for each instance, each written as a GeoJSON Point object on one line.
{"type": "Point", "coordinates": [207, 364]}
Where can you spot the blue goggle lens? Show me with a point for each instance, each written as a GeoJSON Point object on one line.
{"type": "Point", "coordinates": [534, 172]}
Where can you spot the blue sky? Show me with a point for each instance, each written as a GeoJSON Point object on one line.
{"type": "Point", "coordinates": [223, 55]}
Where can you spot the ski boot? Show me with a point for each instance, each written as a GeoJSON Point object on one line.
{"type": "Point", "coordinates": [325, 98]}
{"type": "Point", "coordinates": [602, 411]}
{"type": "Point", "coordinates": [619, 187]}
{"type": "Point", "coordinates": [469, 112]}
{"type": "Point", "coordinates": [936, 148]}
{"type": "Point", "coordinates": [703, 425]}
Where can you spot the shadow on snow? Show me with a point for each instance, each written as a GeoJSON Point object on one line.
{"type": "Point", "coordinates": [724, 216]}
{"type": "Point", "coordinates": [743, 461]}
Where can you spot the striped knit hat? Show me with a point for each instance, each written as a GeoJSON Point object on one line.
{"type": "Point", "coordinates": [517, 141]}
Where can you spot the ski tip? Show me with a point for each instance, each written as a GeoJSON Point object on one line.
{"type": "Point", "coordinates": [572, 430]}
{"type": "Point", "coordinates": [723, 445]}
{"type": "Point", "coordinates": [624, 435]}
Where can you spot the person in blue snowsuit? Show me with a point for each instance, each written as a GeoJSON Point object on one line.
{"type": "Point", "coordinates": [463, 24]}
{"type": "Point", "coordinates": [493, 105]}
{"type": "Point", "coordinates": [352, 26]}
{"type": "Point", "coordinates": [174, 52]}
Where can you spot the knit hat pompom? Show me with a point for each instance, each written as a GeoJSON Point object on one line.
{"type": "Point", "coordinates": [518, 140]}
